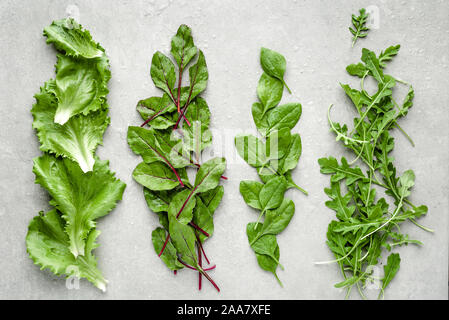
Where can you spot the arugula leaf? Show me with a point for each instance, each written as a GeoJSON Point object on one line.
{"type": "Point", "coordinates": [359, 29]}
{"type": "Point", "coordinates": [390, 269]}
{"type": "Point", "coordinates": [365, 223]}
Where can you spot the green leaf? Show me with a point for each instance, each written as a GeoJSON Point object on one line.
{"type": "Point", "coordinates": [182, 47]}
{"type": "Point", "coordinates": [203, 218]}
{"type": "Point", "coordinates": [390, 269]}
{"type": "Point", "coordinates": [407, 181]}
{"type": "Point", "coordinates": [266, 245]}
{"type": "Point", "coordinates": [212, 198]}
{"type": "Point", "coordinates": [340, 204]}
{"type": "Point", "coordinates": [251, 149]}
{"type": "Point", "coordinates": [183, 239]}
{"type": "Point", "coordinates": [158, 110]}
{"type": "Point", "coordinates": [77, 139]}
{"type": "Point", "coordinates": [181, 207]}
{"type": "Point", "coordinates": [274, 64]}
{"type": "Point", "coordinates": [250, 191]}
{"type": "Point", "coordinates": [198, 111]}
{"type": "Point", "coordinates": [198, 76]}
{"type": "Point", "coordinates": [277, 143]}
{"type": "Point", "coordinates": [291, 157]}
{"type": "Point", "coordinates": [169, 256]}
{"type": "Point", "coordinates": [272, 194]}
{"type": "Point", "coordinates": [48, 246]}
{"type": "Point", "coordinates": [359, 22]}
{"type": "Point", "coordinates": [260, 119]}
{"type": "Point", "coordinates": [144, 142]}
{"type": "Point", "coordinates": [372, 64]}
{"type": "Point", "coordinates": [358, 70]}
{"type": "Point", "coordinates": [277, 220]}
{"type": "Point", "coordinates": [388, 54]}
{"type": "Point", "coordinates": [285, 116]}
{"type": "Point", "coordinates": [196, 137]}
{"type": "Point", "coordinates": [157, 201]}
{"type": "Point", "coordinates": [339, 172]}
{"type": "Point", "coordinates": [155, 176]}
{"type": "Point", "coordinates": [163, 72]}
{"type": "Point", "coordinates": [68, 36]}
{"type": "Point", "coordinates": [80, 87]}
{"type": "Point", "coordinates": [269, 91]}
{"type": "Point", "coordinates": [208, 176]}
{"type": "Point", "coordinates": [80, 197]}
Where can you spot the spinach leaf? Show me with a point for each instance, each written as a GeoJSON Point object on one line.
{"type": "Point", "coordinates": [274, 158]}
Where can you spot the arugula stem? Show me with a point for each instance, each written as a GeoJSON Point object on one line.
{"type": "Point", "coordinates": [421, 226]}
{"type": "Point", "coordinates": [405, 133]}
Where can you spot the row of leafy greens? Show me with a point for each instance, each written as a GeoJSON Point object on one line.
{"type": "Point", "coordinates": [367, 224]}
{"type": "Point", "coordinates": [274, 156]}
{"type": "Point", "coordinates": [70, 117]}
{"type": "Point", "coordinates": [170, 141]}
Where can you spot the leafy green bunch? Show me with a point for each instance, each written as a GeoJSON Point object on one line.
{"type": "Point", "coordinates": [169, 146]}
{"type": "Point", "coordinates": [70, 117]}
{"type": "Point", "coordinates": [274, 158]}
{"type": "Point", "coordinates": [359, 29]}
{"type": "Point", "coordinates": [367, 224]}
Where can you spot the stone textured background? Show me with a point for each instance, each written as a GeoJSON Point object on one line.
{"type": "Point", "coordinates": [314, 38]}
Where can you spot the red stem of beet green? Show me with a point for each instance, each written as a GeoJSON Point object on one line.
{"type": "Point", "coordinates": [175, 272]}
{"type": "Point", "coordinates": [199, 229]}
{"type": "Point", "coordinates": [165, 244]}
{"type": "Point", "coordinates": [153, 116]}
{"type": "Point", "coordinates": [200, 263]}
{"type": "Point", "coordinates": [210, 280]}
{"type": "Point", "coordinates": [210, 268]}
{"type": "Point", "coordinates": [201, 247]}
{"type": "Point", "coordinates": [194, 226]}
{"type": "Point", "coordinates": [170, 165]}
{"type": "Point", "coordinates": [186, 265]}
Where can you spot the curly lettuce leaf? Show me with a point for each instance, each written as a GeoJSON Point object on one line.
{"type": "Point", "coordinates": [68, 36]}
{"type": "Point", "coordinates": [80, 86]}
{"type": "Point", "coordinates": [48, 246]}
{"type": "Point", "coordinates": [80, 197]}
{"type": "Point", "coordinates": [77, 139]}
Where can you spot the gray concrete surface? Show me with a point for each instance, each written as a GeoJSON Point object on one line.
{"type": "Point", "coordinates": [314, 38]}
